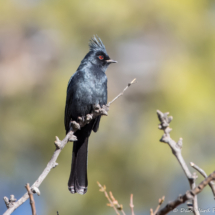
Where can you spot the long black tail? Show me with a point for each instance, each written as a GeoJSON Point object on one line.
{"type": "Point", "coordinates": [78, 177]}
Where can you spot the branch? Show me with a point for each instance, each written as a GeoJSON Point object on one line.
{"type": "Point", "coordinates": [70, 137]}
{"type": "Point", "coordinates": [129, 84]}
{"type": "Point", "coordinates": [189, 195]}
{"type": "Point", "coordinates": [160, 202]}
{"type": "Point", "coordinates": [32, 203]}
{"type": "Point", "coordinates": [176, 150]}
{"type": "Point", "coordinates": [132, 205]}
{"type": "Point", "coordinates": [113, 202]}
{"type": "Point", "coordinates": [118, 206]}
{"type": "Point", "coordinates": [203, 173]}
{"type": "Point", "coordinates": [103, 189]}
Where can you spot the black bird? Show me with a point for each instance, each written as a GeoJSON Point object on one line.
{"type": "Point", "coordinates": [87, 87]}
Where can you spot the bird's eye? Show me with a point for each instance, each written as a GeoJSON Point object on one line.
{"type": "Point", "coordinates": [101, 57]}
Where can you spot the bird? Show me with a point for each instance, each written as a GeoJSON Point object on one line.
{"type": "Point", "coordinates": [87, 87]}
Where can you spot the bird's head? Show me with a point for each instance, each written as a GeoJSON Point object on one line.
{"type": "Point", "coordinates": [98, 54]}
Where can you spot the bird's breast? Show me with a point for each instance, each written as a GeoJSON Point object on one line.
{"type": "Point", "coordinates": [91, 89]}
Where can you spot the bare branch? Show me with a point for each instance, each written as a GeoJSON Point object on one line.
{"type": "Point", "coordinates": [132, 205]}
{"type": "Point", "coordinates": [189, 195]}
{"type": "Point", "coordinates": [60, 144]}
{"type": "Point", "coordinates": [176, 150]}
{"type": "Point", "coordinates": [160, 202]}
{"type": "Point", "coordinates": [32, 203]}
{"type": "Point", "coordinates": [115, 202]}
{"type": "Point", "coordinates": [103, 189]}
{"type": "Point", "coordinates": [203, 173]}
{"type": "Point", "coordinates": [129, 84]}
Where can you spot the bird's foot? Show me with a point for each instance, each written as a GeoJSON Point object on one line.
{"type": "Point", "coordinates": [88, 118]}
{"type": "Point", "coordinates": [104, 110]}
{"type": "Point", "coordinates": [75, 125]}
{"type": "Point", "coordinates": [101, 110]}
{"type": "Point", "coordinates": [96, 108]}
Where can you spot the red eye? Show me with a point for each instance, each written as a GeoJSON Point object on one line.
{"type": "Point", "coordinates": [101, 57]}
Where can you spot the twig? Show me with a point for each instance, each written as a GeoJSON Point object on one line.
{"type": "Point", "coordinates": [129, 84]}
{"type": "Point", "coordinates": [115, 202]}
{"type": "Point", "coordinates": [160, 202]}
{"type": "Point", "coordinates": [176, 150]}
{"type": "Point", "coordinates": [132, 205]}
{"type": "Point", "coordinates": [189, 195]}
{"type": "Point", "coordinates": [203, 173]}
{"type": "Point", "coordinates": [103, 189]}
{"type": "Point", "coordinates": [97, 111]}
{"type": "Point", "coordinates": [32, 203]}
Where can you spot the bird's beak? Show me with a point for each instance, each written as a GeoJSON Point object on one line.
{"type": "Point", "coordinates": [111, 61]}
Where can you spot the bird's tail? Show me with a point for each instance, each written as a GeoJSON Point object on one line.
{"type": "Point", "coordinates": [78, 177]}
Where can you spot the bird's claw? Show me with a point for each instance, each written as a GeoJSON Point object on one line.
{"type": "Point", "coordinates": [80, 119]}
{"type": "Point", "coordinates": [75, 125]}
{"type": "Point", "coordinates": [96, 108]}
{"type": "Point", "coordinates": [88, 118]}
{"type": "Point", "coordinates": [103, 112]}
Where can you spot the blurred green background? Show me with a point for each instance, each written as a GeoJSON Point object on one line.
{"type": "Point", "coordinates": [169, 46]}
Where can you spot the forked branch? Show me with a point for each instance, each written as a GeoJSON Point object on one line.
{"type": "Point", "coordinates": [12, 204]}
{"type": "Point", "coordinates": [189, 195]}
{"type": "Point", "coordinates": [176, 150]}
{"type": "Point", "coordinates": [203, 173]}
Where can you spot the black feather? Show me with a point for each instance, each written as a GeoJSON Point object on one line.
{"type": "Point", "coordinates": [87, 87]}
{"type": "Point", "coordinates": [96, 44]}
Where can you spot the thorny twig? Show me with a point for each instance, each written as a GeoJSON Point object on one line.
{"type": "Point", "coordinates": [32, 203]}
{"type": "Point", "coordinates": [60, 144]}
{"type": "Point", "coordinates": [176, 150]}
{"type": "Point", "coordinates": [203, 173]}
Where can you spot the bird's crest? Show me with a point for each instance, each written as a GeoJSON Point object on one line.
{"type": "Point", "coordinates": [96, 44]}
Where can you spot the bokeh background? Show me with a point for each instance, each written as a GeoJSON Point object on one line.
{"type": "Point", "coordinates": [169, 46]}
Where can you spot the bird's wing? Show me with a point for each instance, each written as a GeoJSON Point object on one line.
{"type": "Point", "coordinates": [103, 102]}
{"type": "Point", "coordinates": [67, 117]}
